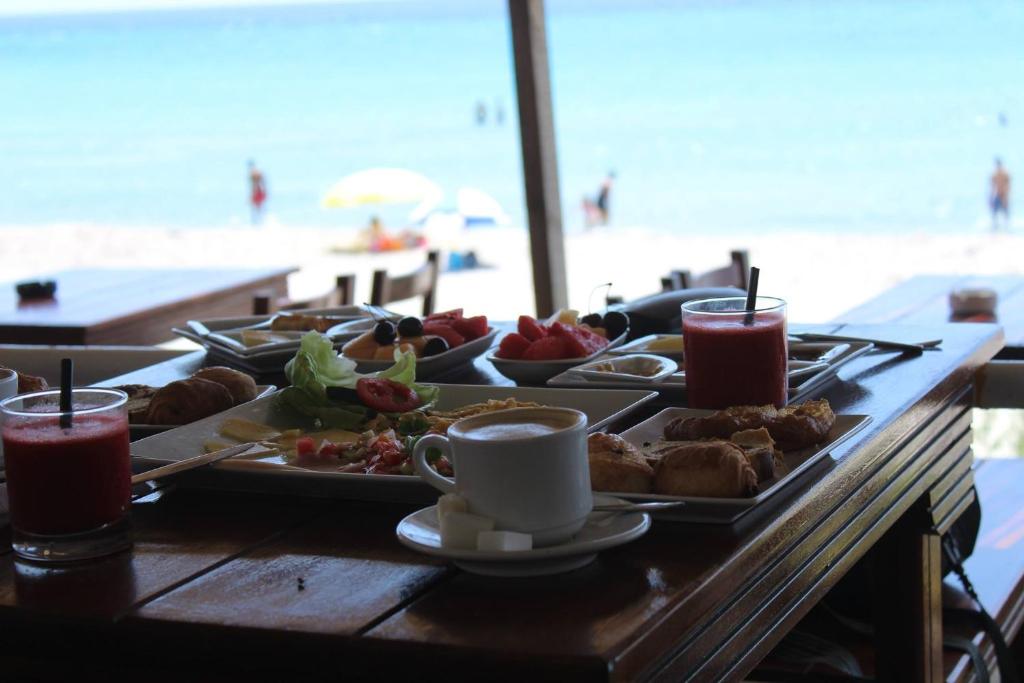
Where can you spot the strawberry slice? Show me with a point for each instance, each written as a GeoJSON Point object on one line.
{"type": "Point", "coordinates": [579, 341]}
{"type": "Point", "coordinates": [531, 329]}
{"type": "Point", "coordinates": [445, 331]}
{"type": "Point", "coordinates": [548, 348]}
{"type": "Point", "coordinates": [512, 346]}
{"type": "Point", "coordinates": [471, 328]}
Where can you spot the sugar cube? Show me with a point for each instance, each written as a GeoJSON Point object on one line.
{"type": "Point", "coordinates": [460, 529]}
{"type": "Point", "coordinates": [451, 502]}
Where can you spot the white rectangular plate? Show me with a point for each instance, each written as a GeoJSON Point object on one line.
{"type": "Point", "coordinates": [672, 389]}
{"type": "Point", "coordinates": [601, 408]}
{"type": "Point", "coordinates": [728, 510]}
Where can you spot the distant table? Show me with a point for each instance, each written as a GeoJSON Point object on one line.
{"type": "Point", "coordinates": [924, 300]}
{"type": "Point", "coordinates": [95, 306]}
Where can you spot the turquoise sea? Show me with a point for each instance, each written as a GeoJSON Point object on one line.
{"type": "Point", "coordinates": [744, 115]}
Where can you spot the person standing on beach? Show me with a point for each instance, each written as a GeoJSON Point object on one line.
{"type": "Point", "coordinates": [257, 192]}
{"type": "Point", "coordinates": [604, 197]}
{"type": "Point", "coordinates": [999, 196]}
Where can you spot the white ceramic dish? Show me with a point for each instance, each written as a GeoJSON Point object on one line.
{"type": "Point", "coordinates": [642, 345]}
{"type": "Point", "coordinates": [140, 431]}
{"type": "Point", "coordinates": [729, 510]}
{"type": "Point", "coordinates": [420, 531]}
{"type": "Point", "coordinates": [429, 367]}
{"type": "Point", "coordinates": [601, 408]}
{"type": "Point", "coordinates": [540, 371]}
{"type": "Point", "coordinates": [640, 368]}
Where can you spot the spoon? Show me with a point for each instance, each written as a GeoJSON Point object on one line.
{"type": "Point", "coordinates": [639, 507]}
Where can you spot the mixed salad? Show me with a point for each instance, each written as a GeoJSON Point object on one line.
{"type": "Point", "coordinates": [381, 415]}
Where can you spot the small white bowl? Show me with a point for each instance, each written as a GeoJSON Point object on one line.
{"type": "Point", "coordinates": [636, 367]}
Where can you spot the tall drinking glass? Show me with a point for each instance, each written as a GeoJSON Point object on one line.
{"type": "Point", "coordinates": [68, 474]}
{"type": "Point", "coordinates": [732, 356]}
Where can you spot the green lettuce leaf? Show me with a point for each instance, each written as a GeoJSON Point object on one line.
{"type": "Point", "coordinates": [317, 366]}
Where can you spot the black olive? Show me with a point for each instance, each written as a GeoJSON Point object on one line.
{"type": "Point", "coordinates": [410, 327]}
{"type": "Point", "coordinates": [384, 332]}
{"type": "Point", "coordinates": [434, 346]}
{"type": "Point", "coordinates": [592, 319]}
{"type": "Point", "coordinates": [615, 323]}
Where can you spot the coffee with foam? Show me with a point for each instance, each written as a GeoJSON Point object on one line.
{"type": "Point", "coordinates": [515, 427]}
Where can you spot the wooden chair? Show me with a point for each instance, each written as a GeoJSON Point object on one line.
{"type": "Point", "coordinates": [343, 294]}
{"type": "Point", "coordinates": [733, 275]}
{"type": "Point", "coordinates": [421, 282]}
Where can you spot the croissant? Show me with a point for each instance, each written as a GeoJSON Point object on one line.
{"type": "Point", "coordinates": [187, 400]}
{"type": "Point", "coordinates": [241, 386]}
{"type": "Point", "coordinates": [711, 469]}
{"type": "Point", "coordinates": [617, 465]}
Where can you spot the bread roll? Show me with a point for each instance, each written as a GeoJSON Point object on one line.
{"type": "Point", "coordinates": [241, 386]}
{"type": "Point", "coordinates": [139, 396]}
{"type": "Point", "coordinates": [616, 465]}
{"type": "Point", "coordinates": [187, 400]}
{"type": "Point", "coordinates": [711, 469]}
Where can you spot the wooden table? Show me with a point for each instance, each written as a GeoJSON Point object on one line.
{"type": "Point", "coordinates": [131, 306]}
{"type": "Point", "coordinates": [924, 300]}
{"type": "Point", "coordinates": [239, 587]}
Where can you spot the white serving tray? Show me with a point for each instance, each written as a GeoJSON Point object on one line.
{"type": "Point", "coordinates": [729, 510]}
{"type": "Point", "coordinates": [601, 408]}
{"type": "Point", "coordinates": [803, 380]}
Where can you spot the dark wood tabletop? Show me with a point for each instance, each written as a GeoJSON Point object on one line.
{"type": "Point", "coordinates": [230, 586]}
{"type": "Point", "coordinates": [93, 306]}
{"type": "Point", "coordinates": [924, 300]}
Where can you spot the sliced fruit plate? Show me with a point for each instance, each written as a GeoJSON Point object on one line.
{"type": "Point", "coordinates": [441, 341]}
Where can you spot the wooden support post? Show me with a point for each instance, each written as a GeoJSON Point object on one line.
{"type": "Point", "coordinates": [907, 588]}
{"type": "Point", "coordinates": [540, 166]}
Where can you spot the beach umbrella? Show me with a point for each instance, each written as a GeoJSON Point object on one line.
{"type": "Point", "coordinates": [381, 186]}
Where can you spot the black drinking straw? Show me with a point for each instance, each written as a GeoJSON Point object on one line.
{"type": "Point", "coordinates": [67, 378]}
{"type": "Point", "coordinates": [751, 296]}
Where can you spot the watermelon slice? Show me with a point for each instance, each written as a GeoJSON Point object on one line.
{"type": "Point", "coordinates": [445, 331]}
{"type": "Point", "coordinates": [471, 328]}
{"type": "Point", "coordinates": [454, 314]}
{"type": "Point", "coordinates": [531, 329]}
{"type": "Point", "coordinates": [580, 342]}
{"type": "Point", "coordinates": [548, 348]}
{"type": "Point", "coordinates": [512, 346]}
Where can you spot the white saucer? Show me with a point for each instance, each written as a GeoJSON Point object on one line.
{"type": "Point", "coordinates": [420, 531]}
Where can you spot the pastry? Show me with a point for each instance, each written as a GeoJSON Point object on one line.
{"type": "Point", "coordinates": [804, 425]}
{"type": "Point", "coordinates": [616, 465]}
{"type": "Point", "coordinates": [759, 447]}
{"type": "Point", "coordinates": [241, 386]}
{"type": "Point", "coordinates": [187, 400]}
{"type": "Point", "coordinates": [710, 469]}
{"type": "Point", "coordinates": [792, 427]}
{"type": "Point", "coordinates": [139, 396]}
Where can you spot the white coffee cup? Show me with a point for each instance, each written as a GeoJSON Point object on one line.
{"type": "Point", "coordinates": [525, 468]}
{"type": "Point", "coordinates": [8, 383]}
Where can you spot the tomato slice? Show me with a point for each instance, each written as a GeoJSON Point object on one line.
{"type": "Point", "coordinates": [386, 396]}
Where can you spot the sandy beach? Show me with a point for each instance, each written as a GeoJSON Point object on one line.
{"type": "Point", "coordinates": [819, 274]}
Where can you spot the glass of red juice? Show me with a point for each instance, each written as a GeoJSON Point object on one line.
{"type": "Point", "coordinates": [68, 474]}
{"type": "Point", "coordinates": [734, 357]}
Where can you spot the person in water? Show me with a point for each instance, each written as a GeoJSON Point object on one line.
{"type": "Point", "coordinates": [999, 196]}
{"type": "Point", "coordinates": [257, 192]}
{"type": "Point", "coordinates": [595, 211]}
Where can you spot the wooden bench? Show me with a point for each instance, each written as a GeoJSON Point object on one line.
{"type": "Point", "coordinates": [996, 568]}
